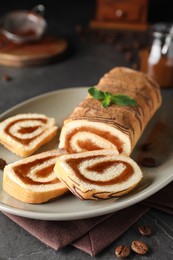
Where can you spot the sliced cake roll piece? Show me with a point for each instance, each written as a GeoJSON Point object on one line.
{"type": "Point", "coordinates": [32, 179]}
{"type": "Point", "coordinates": [92, 126]}
{"type": "Point", "coordinates": [23, 134]}
{"type": "Point", "coordinates": [98, 174]}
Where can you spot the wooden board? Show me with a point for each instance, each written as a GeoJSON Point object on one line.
{"type": "Point", "coordinates": [44, 51]}
{"type": "Point", "coordinates": [118, 26]}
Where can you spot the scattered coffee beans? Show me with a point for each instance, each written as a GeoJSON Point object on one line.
{"type": "Point", "coordinates": [144, 230]}
{"type": "Point", "coordinates": [2, 163]}
{"type": "Point", "coordinates": [148, 162]}
{"type": "Point", "coordinates": [122, 251]}
{"type": "Point", "coordinates": [139, 247]}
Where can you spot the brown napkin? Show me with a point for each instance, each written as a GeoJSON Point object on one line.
{"type": "Point", "coordinates": [110, 229]}
{"type": "Point", "coordinates": [57, 234]}
{"type": "Point", "coordinates": [83, 233]}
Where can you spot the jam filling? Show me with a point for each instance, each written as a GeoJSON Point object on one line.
{"type": "Point", "coordinates": [24, 130]}
{"type": "Point", "coordinates": [88, 145]}
{"type": "Point", "coordinates": [100, 168]}
{"type": "Point", "coordinates": [22, 170]}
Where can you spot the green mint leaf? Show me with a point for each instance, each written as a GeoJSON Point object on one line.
{"type": "Point", "coordinates": [123, 100]}
{"type": "Point", "coordinates": [107, 94]}
{"type": "Point", "coordinates": [106, 102]}
{"type": "Point", "coordinates": [107, 98]}
{"type": "Point", "coordinates": [97, 94]}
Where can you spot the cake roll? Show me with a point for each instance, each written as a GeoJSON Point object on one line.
{"type": "Point", "coordinates": [93, 127]}
{"type": "Point", "coordinates": [100, 174]}
{"type": "Point", "coordinates": [32, 179]}
{"type": "Point", "coordinates": [23, 134]}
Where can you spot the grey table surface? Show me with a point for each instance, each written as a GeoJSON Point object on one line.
{"type": "Point", "coordinates": [87, 62]}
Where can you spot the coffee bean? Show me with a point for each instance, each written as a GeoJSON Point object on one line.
{"type": "Point", "coordinates": [6, 77]}
{"type": "Point", "coordinates": [135, 66]}
{"type": "Point", "coordinates": [122, 48]}
{"type": "Point", "coordinates": [122, 251]}
{"type": "Point", "coordinates": [129, 56]}
{"type": "Point", "coordinates": [139, 247]}
{"type": "Point", "coordinates": [148, 162]}
{"type": "Point", "coordinates": [2, 163]}
{"type": "Point", "coordinates": [146, 147]}
{"type": "Point", "coordinates": [144, 230]}
{"type": "Point", "coordinates": [136, 45]}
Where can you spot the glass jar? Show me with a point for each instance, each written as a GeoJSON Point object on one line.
{"type": "Point", "coordinates": [157, 61]}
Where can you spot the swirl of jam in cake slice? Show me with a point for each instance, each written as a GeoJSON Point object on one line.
{"type": "Point", "coordinates": [23, 134]}
{"type": "Point", "coordinates": [32, 179]}
{"type": "Point", "coordinates": [100, 174]}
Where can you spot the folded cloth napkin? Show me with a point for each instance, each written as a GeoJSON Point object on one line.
{"type": "Point", "coordinates": [83, 233]}
{"type": "Point", "coordinates": [109, 229]}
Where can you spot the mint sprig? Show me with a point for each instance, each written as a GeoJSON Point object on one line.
{"type": "Point", "coordinates": [107, 98]}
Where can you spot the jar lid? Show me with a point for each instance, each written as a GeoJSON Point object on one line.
{"type": "Point", "coordinates": [161, 29]}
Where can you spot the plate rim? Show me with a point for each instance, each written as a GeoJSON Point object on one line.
{"type": "Point", "coordinates": [84, 215]}
{"type": "Point", "coordinates": [28, 100]}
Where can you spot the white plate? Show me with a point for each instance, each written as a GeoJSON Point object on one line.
{"type": "Point", "coordinates": [59, 104]}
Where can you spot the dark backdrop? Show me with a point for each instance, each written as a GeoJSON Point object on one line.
{"type": "Point", "coordinates": [60, 13]}
{"type": "Point", "coordinates": [159, 10]}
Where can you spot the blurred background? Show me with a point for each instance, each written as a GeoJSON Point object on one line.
{"type": "Point", "coordinates": [67, 13]}
{"type": "Point", "coordinates": [92, 49]}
